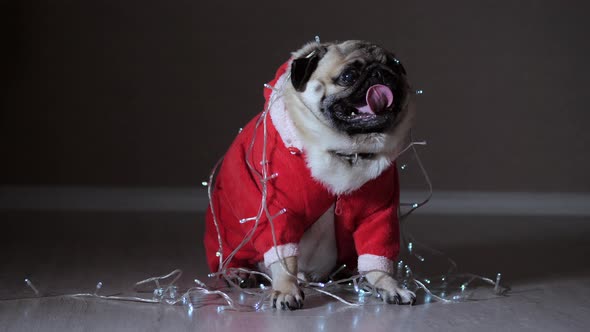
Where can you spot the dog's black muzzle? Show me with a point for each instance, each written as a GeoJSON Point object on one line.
{"type": "Point", "coordinates": [341, 108]}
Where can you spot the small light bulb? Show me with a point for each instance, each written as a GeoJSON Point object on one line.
{"type": "Point", "coordinates": [497, 285]}
{"type": "Point", "coordinates": [30, 284]}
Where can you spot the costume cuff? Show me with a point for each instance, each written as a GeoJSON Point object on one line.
{"type": "Point", "coordinates": [368, 262]}
{"type": "Point", "coordinates": [284, 250]}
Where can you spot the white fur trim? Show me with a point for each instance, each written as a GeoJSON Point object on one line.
{"type": "Point", "coordinates": [368, 262]}
{"type": "Point", "coordinates": [338, 176]}
{"type": "Point", "coordinates": [280, 117]}
{"type": "Point", "coordinates": [285, 250]}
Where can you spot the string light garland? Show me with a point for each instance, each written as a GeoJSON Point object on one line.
{"type": "Point", "coordinates": [450, 286]}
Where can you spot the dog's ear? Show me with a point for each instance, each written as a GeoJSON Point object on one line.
{"type": "Point", "coordinates": [303, 67]}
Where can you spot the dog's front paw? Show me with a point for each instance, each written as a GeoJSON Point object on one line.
{"type": "Point", "coordinates": [389, 290]}
{"type": "Point", "coordinates": [397, 296]}
{"type": "Point", "coordinates": [286, 293]}
{"type": "Point", "coordinates": [287, 296]}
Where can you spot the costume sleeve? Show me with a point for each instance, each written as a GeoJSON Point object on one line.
{"type": "Point", "coordinates": [377, 231]}
{"type": "Point", "coordinates": [288, 231]}
{"type": "Point", "coordinates": [377, 240]}
{"type": "Point", "coordinates": [240, 191]}
{"type": "Point", "coordinates": [242, 196]}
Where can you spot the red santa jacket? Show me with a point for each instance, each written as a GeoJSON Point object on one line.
{"type": "Point", "coordinates": [365, 220]}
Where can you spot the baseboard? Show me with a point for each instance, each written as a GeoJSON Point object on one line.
{"type": "Point", "coordinates": [195, 200]}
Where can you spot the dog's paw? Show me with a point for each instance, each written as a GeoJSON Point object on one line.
{"type": "Point", "coordinates": [397, 296]}
{"type": "Point", "coordinates": [287, 297]}
{"type": "Point", "coordinates": [389, 290]}
{"type": "Point", "coordinates": [286, 293]}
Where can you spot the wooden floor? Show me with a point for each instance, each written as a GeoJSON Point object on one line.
{"type": "Point", "coordinates": [545, 260]}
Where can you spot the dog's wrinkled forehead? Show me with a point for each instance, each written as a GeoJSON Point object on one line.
{"type": "Point", "coordinates": [359, 49]}
{"type": "Point", "coordinates": [347, 49]}
{"type": "Point", "coordinates": [333, 57]}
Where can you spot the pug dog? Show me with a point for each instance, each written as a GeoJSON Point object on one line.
{"type": "Point", "coordinates": [338, 115]}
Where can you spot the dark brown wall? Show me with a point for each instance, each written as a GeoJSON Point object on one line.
{"type": "Point", "coordinates": [150, 93]}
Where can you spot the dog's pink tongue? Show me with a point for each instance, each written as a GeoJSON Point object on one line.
{"type": "Point", "coordinates": [379, 97]}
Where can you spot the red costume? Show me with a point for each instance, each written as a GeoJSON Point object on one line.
{"type": "Point", "coordinates": [365, 220]}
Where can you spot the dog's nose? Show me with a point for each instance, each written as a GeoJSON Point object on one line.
{"type": "Point", "coordinates": [376, 74]}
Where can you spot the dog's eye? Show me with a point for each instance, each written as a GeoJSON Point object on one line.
{"type": "Point", "coordinates": [348, 77]}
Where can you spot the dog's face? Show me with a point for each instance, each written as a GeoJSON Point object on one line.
{"type": "Point", "coordinates": [354, 87]}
